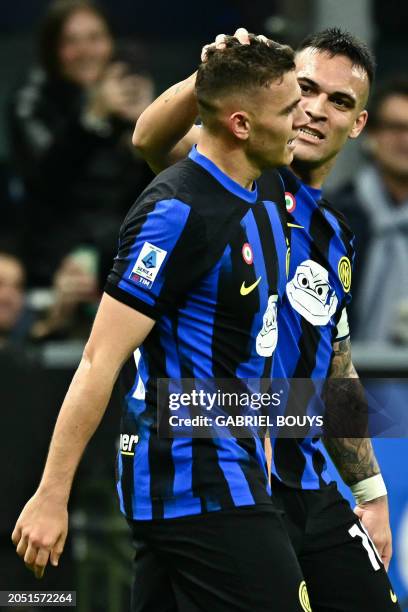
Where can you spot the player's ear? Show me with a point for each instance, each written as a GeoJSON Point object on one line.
{"type": "Point", "coordinates": [239, 125]}
{"type": "Point", "coordinates": [359, 124]}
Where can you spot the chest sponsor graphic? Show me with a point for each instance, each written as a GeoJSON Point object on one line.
{"type": "Point", "coordinates": [147, 265]}
{"type": "Point", "coordinates": [310, 293]}
{"type": "Point", "coordinates": [267, 338]}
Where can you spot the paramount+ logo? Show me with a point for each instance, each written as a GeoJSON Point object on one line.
{"type": "Point", "coordinates": [127, 444]}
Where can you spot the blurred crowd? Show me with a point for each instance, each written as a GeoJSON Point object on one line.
{"type": "Point", "coordinates": [74, 174]}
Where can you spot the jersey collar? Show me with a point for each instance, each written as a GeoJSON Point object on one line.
{"type": "Point", "coordinates": [312, 191]}
{"type": "Point", "coordinates": [226, 181]}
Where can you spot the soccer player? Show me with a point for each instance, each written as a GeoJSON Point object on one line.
{"type": "Point", "coordinates": [202, 257]}
{"type": "Point", "coordinates": [343, 570]}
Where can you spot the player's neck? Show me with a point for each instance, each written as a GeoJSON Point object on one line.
{"type": "Point", "coordinates": [311, 175]}
{"type": "Point", "coordinates": [232, 161]}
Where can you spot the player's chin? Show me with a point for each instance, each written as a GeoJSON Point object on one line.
{"type": "Point", "coordinates": [305, 153]}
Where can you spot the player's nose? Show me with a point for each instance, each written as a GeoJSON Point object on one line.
{"type": "Point", "coordinates": [301, 119]}
{"type": "Point", "coordinates": [315, 108]}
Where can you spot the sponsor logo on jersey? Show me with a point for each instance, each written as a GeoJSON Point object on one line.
{"type": "Point", "coordinates": [267, 338]}
{"type": "Point", "coordinates": [290, 202]}
{"type": "Point", "coordinates": [247, 290]}
{"type": "Point", "coordinates": [147, 265]}
{"type": "Point", "coordinates": [344, 271]}
{"type": "Point", "coordinates": [304, 597]}
{"type": "Point", "coordinates": [127, 444]}
{"type": "Point", "coordinates": [247, 253]}
{"type": "Point", "coordinates": [310, 293]}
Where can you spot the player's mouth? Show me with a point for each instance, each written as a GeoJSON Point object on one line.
{"type": "Point", "coordinates": [310, 134]}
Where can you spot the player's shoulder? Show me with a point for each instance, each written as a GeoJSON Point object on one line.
{"type": "Point", "coordinates": [341, 219]}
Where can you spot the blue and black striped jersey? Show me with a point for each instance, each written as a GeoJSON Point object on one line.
{"type": "Point", "coordinates": [312, 316]}
{"type": "Point", "coordinates": [206, 259]}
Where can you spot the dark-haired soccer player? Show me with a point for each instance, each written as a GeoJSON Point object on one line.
{"type": "Point", "coordinates": [202, 258]}
{"type": "Point", "coordinates": [343, 569]}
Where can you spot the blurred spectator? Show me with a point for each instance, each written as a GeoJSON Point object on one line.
{"type": "Point", "coordinates": [74, 303]}
{"type": "Point", "coordinates": [71, 126]}
{"type": "Point", "coordinates": [12, 278]}
{"type": "Point", "coordinates": [376, 205]}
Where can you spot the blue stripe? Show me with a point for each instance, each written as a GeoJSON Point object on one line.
{"type": "Point", "coordinates": [141, 501]}
{"type": "Point", "coordinates": [229, 454]}
{"type": "Point", "coordinates": [118, 484]}
{"type": "Point", "coordinates": [226, 181]}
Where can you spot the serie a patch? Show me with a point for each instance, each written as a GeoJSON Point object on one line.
{"type": "Point", "coordinates": [147, 265]}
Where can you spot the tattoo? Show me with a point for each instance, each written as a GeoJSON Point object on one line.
{"type": "Point", "coordinates": [346, 416]}
{"type": "Point", "coordinates": [176, 89]}
{"type": "Point", "coordinates": [353, 457]}
{"type": "Point", "coordinates": [342, 365]}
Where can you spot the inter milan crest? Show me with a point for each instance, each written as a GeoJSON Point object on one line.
{"type": "Point", "coordinates": [344, 270]}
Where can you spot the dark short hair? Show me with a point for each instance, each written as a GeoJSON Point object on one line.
{"type": "Point", "coordinates": [240, 68]}
{"type": "Point", "coordinates": [52, 26]}
{"type": "Point", "coordinates": [397, 86]}
{"type": "Point", "coordinates": [335, 41]}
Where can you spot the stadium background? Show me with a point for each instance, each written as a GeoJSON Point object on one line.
{"type": "Point", "coordinates": [172, 35]}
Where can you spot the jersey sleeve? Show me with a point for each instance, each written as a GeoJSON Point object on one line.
{"type": "Point", "coordinates": [162, 253]}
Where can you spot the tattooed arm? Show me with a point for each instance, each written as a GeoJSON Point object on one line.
{"type": "Point", "coordinates": [354, 457]}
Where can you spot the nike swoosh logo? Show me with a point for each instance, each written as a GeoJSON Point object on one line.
{"type": "Point", "coordinates": [394, 598]}
{"type": "Point", "coordinates": [246, 290]}
{"type": "Point", "coordinates": [294, 225]}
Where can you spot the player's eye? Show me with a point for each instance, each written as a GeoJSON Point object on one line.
{"type": "Point", "coordinates": [340, 102]}
{"type": "Point", "coordinates": [305, 88]}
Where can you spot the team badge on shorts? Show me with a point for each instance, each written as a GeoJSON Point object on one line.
{"type": "Point", "coordinates": [344, 271]}
{"type": "Point", "coordinates": [147, 265]}
{"type": "Point", "coordinates": [290, 202]}
{"type": "Point", "coordinates": [304, 597]}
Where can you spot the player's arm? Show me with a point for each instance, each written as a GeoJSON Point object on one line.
{"type": "Point", "coordinates": [165, 131]}
{"type": "Point", "coordinates": [41, 530]}
{"type": "Point", "coordinates": [355, 458]}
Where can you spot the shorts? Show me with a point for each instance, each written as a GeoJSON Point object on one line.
{"type": "Point", "coordinates": [239, 560]}
{"type": "Point", "coordinates": [340, 564]}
